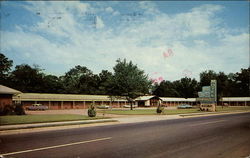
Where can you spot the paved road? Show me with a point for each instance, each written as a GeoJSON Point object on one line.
{"type": "Point", "coordinates": [225, 136]}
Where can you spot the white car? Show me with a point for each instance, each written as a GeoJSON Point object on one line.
{"type": "Point", "coordinates": [37, 107]}
{"type": "Point", "coordinates": [103, 107]}
{"type": "Point", "coordinates": [128, 106]}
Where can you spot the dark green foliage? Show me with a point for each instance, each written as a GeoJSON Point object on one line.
{"type": "Point", "coordinates": [206, 77]}
{"type": "Point", "coordinates": [5, 66]}
{"type": "Point", "coordinates": [91, 111]}
{"type": "Point", "coordinates": [19, 110]}
{"type": "Point", "coordinates": [52, 84]}
{"type": "Point", "coordinates": [185, 88]}
{"type": "Point", "coordinates": [7, 110]}
{"type": "Point", "coordinates": [77, 79]}
{"type": "Point", "coordinates": [159, 109]}
{"type": "Point", "coordinates": [27, 79]}
{"type": "Point", "coordinates": [165, 88]}
{"type": "Point", "coordinates": [242, 83]}
{"type": "Point", "coordinates": [231, 85]}
{"type": "Point", "coordinates": [14, 109]}
{"type": "Point", "coordinates": [81, 80]}
{"type": "Point", "coordinates": [128, 81]}
{"type": "Point", "coordinates": [104, 82]}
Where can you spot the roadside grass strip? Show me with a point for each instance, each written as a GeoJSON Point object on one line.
{"type": "Point", "coordinates": [27, 119]}
{"type": "Point", "coordinates": [147, 111]}
{"type": "Point", "coordinates": [231, 108]}
{"type": "Point", "coordinates": [152, 111]}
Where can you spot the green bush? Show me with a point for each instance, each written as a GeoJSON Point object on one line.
{"type": "Point", "coordinates": [19, 110]}
{"type": "Point", "coordinates": [14, 109]}
{"type": "Point", "coordinates": [159, 110]}
{"type": "Point", "coordinates": [91, 111]}
{"type": "Point", "coordinates": [8, 110]}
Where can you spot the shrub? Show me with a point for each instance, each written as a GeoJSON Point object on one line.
{"type": "Point", "coordinates": [91, 111]}
{"type": "Point", "coordinates": [14, 109]}
{"type": "Point", "coordinates": [1, 110]}
{"type": "Point", "coordinates": [8, 110]}
{"type": "Point", "coordinates": [19, 110]}
{"type": "Point", "coordinates": [159, 110]}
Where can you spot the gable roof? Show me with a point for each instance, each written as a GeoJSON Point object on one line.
{"type": "Point", "coordinates": [7, 90]}
{"type": "Point", "coordinates": [143, 98]}
{"type": "Point", "coordinates": [178, 99]}
{"type": "Point", "coordinates": [63, 97]}
{"type": "Point", "coordinates": [235, 99]}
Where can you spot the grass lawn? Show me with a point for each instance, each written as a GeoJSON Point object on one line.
{"type": "Point", "coordinates": [25, 119]}
{"type": "Point", "coordinates": [168, 112]}
{"type": "Point", "coordinates": [147, 111]}
{"type": "Point", "coordinates": [232, 108]}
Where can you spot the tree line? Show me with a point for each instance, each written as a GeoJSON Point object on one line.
{"type": "Point", "coordinates": [127, 80]}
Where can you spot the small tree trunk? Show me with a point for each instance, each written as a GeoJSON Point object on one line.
{"type": "Point", "coordinates": [131, 105]}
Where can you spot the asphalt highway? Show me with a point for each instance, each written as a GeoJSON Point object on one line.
{"type": "Point", "coordinates": [221, 136]}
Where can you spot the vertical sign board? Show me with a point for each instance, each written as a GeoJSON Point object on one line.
{"type": "Point", "coordinates": [213, 90]}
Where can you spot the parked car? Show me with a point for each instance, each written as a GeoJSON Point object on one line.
{"type": "Point", "coordinates": [103, 107]}
{"type": "Point", "coordinates": [128, 106]}
{"type": "Point", "coordinates": [37, 107]}
{"type": "Point", "coordinates": [184, 106]}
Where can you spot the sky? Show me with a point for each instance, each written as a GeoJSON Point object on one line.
{"type": "Point", "coordinates": [168, 40]}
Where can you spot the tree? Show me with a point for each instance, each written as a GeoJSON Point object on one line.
{"type": "Point", "coordinates": [80, 80]}
{"type": "Point", "coordinates": [231, 85]}
{"type": "Point", "coordinates": [104, 82]}
{"type": "Point", "coordinates": [242, 83]}
{"type": "Point", "coordinates": [129, 81]}
{"type": "Point", "coordinates": [222, 85]}
{"type": "Point", "coordinates": [27, 79]}
{"type": "Point", "coordinates": [89, 84]}
{"type": "Point", "coordinates": [71, 79]}
{"type": "Point", "coordinates": [165, 89]}
{"type": "Point", "coordinates": [5, 66]}
{"type": "Point", "coordinates": [206, 77]}
{"type": "Point", "coordinates": [186, 87]}
{"type": "Point", "coordinates": [52, 84]}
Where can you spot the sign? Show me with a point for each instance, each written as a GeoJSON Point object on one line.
{"type": "Point", "coordinates": [214, 90]}
{"type": "Point", "coordinates": [206, 89]}
{"type": "Point", "coordinates": [208, 96]}
{"type": "Point", "coordinates": [206, 100]}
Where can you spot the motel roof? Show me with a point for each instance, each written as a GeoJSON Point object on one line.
{"type": "Point", "coordinates": [144, 98]}
{"type": "Point", "coordinates": [170, 99]}
{"type": "Point", "coordinates": [235, 99]}
{"type": "Point", "coordinates": [63, 97]}
{"type": "Point", "coordinates": [7, 90]}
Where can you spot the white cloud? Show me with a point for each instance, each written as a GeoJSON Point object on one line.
{"type": "Point", "coordinates": [200, 43]}
{"type": "Point", "coordinates": [148, 7]}
{"type": "Point", "coordinates": [73, 40]}
{"type": "Point", "coordinates": [109, 9]}
{"type": "Point", "coordinates": [99, 23]}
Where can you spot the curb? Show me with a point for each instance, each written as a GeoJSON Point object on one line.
{"type": "Point", "coordinates": [27, 126]}
{"type": "Point", "coordinates": [213, 113]}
